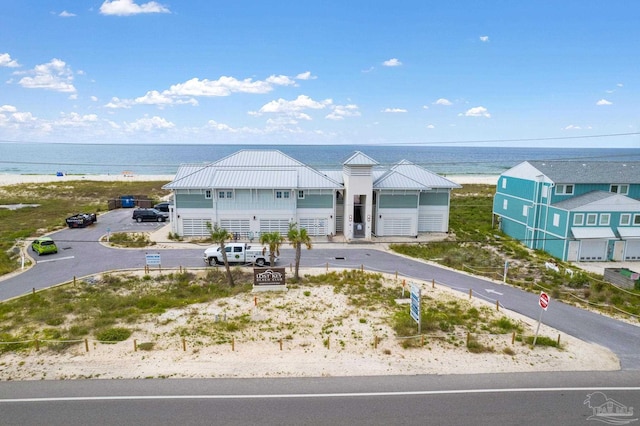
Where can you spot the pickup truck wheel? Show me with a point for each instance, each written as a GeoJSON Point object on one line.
{"type": "Point", "coordinates": [139, 219]}
{"type": "Point", "coordinates": [260, 262]}
{"type": "Point", "coordinates": [160, 219]}
{"type": "Point", "coordinates": [212, 261]}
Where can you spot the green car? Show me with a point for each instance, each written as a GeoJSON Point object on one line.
{"type": "Point", "coordinates": [44, 245]}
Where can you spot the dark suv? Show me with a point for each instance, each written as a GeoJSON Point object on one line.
{"type": "Point", "coordinates": [154, 215]}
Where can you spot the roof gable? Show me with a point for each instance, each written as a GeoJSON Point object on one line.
{"type": "Point", "coordinates": [406, 175]}
{"type": "Point", "coordinates": [360, 159]}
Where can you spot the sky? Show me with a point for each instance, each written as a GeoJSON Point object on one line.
{"type": "Point", "coordinates": [489, 73]}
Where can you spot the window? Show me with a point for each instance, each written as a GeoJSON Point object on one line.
{"type": "Point", "coordinates": [620, 189]}
{"type": "Point", "coordinates": [605, 218]}
{"type": "Point", "coordinates": [545, 191]}
{"type": "Point", "coordinates": [282, 194]}
{"type": "Point", "coordinates": [564, 189]}
{"type": "Point", "coordinates": [505, 204]}
{"type": "Point", "coordinates": [578, 219]}
{"type": "Point", "coordinates": [625, 219]}
{"type": "Point", "coordinates": [504, 183]}
{"type": "Point", "coordinates": [636, 219]}
{"type": "Point", "coordinates": [207, 193]}
{"type": "Point", "coordinates": [592, 219]}
{"type": "Point", "coordinates": [220, 194]}
{"type": "Point", "coordinates": [225, 194]}
{"type": "Point", "coordinates": [229, 194]}
{"type": "Point", "coordinates": [301, 194]}
{"type": "Point", "coordinates": [556, 219]}
{"type": "Point", "coordinates": [525, 211]}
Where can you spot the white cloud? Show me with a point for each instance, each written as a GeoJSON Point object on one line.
{"type": "Point", "coordinates": [23, 117]}
{"type": "Point", "coordinates": [65, 14]}
{"type": "Point", "coordinates": [339, 112]}
{"type": "Point", "coordinates": [619, 84]}
{"type": "Point", "coordinates": [224, 86]}
{"type": "Point", "coordinates": [153, 97]}
{"type": "Point", "coordinates": [8, 108]}
{"type": "Point", "coordinates": [393, 62]}
{"type": "Point", "coordinates": [281, 80]}
{"type": "Point", "coordinates": [6, 61]}
{"type": "Point", "coordinates": [394, 110]}
{"type": "Point", "coordinates": [425, 106]}
{"type": "Point", "coordinates": [76, 120]}
{"type": "Point", "coordinates": [574, 127]}
{"type": "Point", "coordinates": [443, 101]}
{"type": "Point", "coordinates": [430, 126]}
{"type": "Point", "coordinates": [604, 102]}
{"type": "Point", "coordinates": [54, 75]}
{"type": "Point", "coordinates": [305, 76]}
{"type": "Point", "coordinates": [479, 111]}
{"type": "Point", "coordinates": [295, 107]}
{"type": "Point", "coordinates": [117, 103]}
{"type": "Point", "coordinates": [128, 7]}
{"type": "Point", "coordinates": [484, 39]}
{"type": "Point", "coordinates": [94, 98]}
{"type": "Point", "coordinates": [147, 124]}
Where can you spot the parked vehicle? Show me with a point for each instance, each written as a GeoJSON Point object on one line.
{"type": "Point", "coordinates": [81, 220]}
{"type": "Point", "coordinates": [154, 215]}
{"type": "Point", "coordinates": [44, 245]}
{"type": "Point", "coordinates": [163, 207]}
{"type": "Point", "coordinates": [238, 253]}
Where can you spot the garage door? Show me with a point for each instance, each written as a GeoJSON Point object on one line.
{"type": "Point", "coordinates": [593, 250]}
{"type": "Point", "coordinates": [397, 227]}
{"type": "Point", "coordinates": [236, 226]}
{"type": "Point", "coordinates": [314, 227]}
{"type": "Point", "coordinates": [431, 223]}
{"type": "Point", "coordinates": [632, 250]}
{"type": "Point", "coordinates": [274, 225]}
{"type": "Point", "coordinates": [195, 227]}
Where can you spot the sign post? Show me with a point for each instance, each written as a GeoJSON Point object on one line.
{"type": "Point", "coordinates": [415, 305]}
{"type": "Point", "coordinates": [543, 301]}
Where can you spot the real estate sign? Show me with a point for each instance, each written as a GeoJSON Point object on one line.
{"type": "Point", "coordinates": [269, 276]}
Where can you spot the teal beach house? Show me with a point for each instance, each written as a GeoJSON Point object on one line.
{"type": "Point", "coordinates": [573, 210]}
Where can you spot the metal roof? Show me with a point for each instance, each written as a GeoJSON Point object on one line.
{"type": "Point", "coordinates": [629, 232]}
{"type": "Point", "coordinates": [406, 175]}
{"type": "Point", "coordinates": [589, 171]}
{"type": "Point", "coordinates": [360, 159]}
{"type": "Point", "coordinates": [599, 201]}
{"type": "Point", "coordinates": [252, 169]}
{"type": "Point", "coordinates": [593, 232]}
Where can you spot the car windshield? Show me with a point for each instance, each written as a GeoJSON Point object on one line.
{"type": "Point", "coordinates": [46, 243]}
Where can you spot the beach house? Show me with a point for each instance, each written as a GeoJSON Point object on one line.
{"type": "Point", "coordinates": [574, 210]}
{"type": "Point", "coordinates": [256, 191]}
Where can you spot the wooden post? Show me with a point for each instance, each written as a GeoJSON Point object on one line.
{"type": "Point", "coordinates": [184, 344]}
{"type": "Point", "coordinates": [513, 337]}
{"type": "Point", "coordinates": [33, 291]}
{"type": "Point", "coordinates": [470, 293]}
{"type": "Point", "coordinates": [233, 344]}
{"type": "Point", "coordinates": [86, 345]}
{"type": "Point", "coordinates": [328, 342]}
{"type": "Point", "coordinates": [558, 340]}
{"type": "Point", "coordinates": [327, 266]}
{"type": "Point", "coordinates": [422, 340]}
{"type": "Point", "coordinates": [135, 345]}
{"type": "Point", "coordinates": [361, 267]}
{"type": "Point", "coordinates": [38, 344]}
{"type": "Point", "coordinates": [255, 300]}
{"type": "Point", "coordinates": [74, 280]}
{"type": "Point", "coordinates": [396, 275]}
{"type": "Point", "coordinates": [281, 343]}
{"type": "Point", "coordinates": [433, 283]}
{"type": "Point", "coordinates": [468, 338]}
{"type": "Point", "coordinates": [497, 305]}
{"type": "Point", "coordinates": [375, 342]}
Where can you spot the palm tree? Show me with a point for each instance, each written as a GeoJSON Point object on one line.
{"type": "Point", "coordinates": [221, 236]}
{"type": "Point", "coordinates": [273, 240]}
{"type": "Point", "coordinates": [297, 238]}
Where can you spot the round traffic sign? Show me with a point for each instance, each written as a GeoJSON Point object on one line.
{"type": "Point", "coordinates": [543, 301]}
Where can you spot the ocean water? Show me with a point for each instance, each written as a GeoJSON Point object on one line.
{"type": "Point", "coordinates": [44, 158]}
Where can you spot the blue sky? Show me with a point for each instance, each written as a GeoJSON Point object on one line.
{"type": "Point", "coordinates": [512, 73]}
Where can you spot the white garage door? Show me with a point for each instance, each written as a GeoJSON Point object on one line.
{"type": "Point", "coordinates": [195, 227]}
{"type": "Point", "coordinates": [431, 223]}
{"type": "Point", "coordinates": [236, 226]}
{"type": "Point", "coordinates": [397, 227]}
{"type": "Point", "coordinates": [593, 250]}
{"type": "Point", "coordinates": [314, 227]}
{"type": "Point", "coordinates": [273, 225]}
{"type": "Point", "coordinates": [632, 251]}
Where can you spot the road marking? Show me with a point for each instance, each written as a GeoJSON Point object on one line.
{"type": "Point", "coordinates": [488, 290]}
{"type": "Point", "coordinates": [315, 395]}
{"type": "Point", "coordinates": [55, 260]}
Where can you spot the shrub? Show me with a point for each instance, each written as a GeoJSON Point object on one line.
{"type": "Point", "coordinates": [112, 335]}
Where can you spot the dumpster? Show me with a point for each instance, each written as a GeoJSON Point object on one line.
{"type": "Point", "coordinates": [128, 201]}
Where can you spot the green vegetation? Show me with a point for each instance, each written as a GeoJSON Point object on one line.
{"type": "Point", "coordinates": [476, 246]}
{"type": "Point", "coordinates": [57, 201]}
{"type": "Point", "coordinates": [130, 239]}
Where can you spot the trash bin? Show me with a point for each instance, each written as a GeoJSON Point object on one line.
{"type": "Point", "coordinates": [128, 201]}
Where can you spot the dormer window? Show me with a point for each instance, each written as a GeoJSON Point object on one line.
{"type": "Point", "coordinates": [564, 189]}
{"type": "Point", "coordinates": [620, 189]}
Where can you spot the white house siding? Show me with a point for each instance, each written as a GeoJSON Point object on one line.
{"type": "Point", "coordinates": [433, 218]}
{"type": "Point", "coordinates": [397, 222]}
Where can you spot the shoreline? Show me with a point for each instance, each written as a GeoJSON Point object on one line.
{"type": "Point", "coordinates": [15, 179]}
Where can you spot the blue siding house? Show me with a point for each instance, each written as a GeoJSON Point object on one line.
{"type": "Point", "coordinates": [573, 210]}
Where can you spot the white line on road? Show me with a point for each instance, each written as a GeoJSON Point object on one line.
{"type": "Point", "coordinates": [488, 290]}
{"type": "Point", "coordinates": [56, 259]}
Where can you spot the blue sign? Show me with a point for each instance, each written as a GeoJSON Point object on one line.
{"type": "Point", "coordinates": [415, 303]}
{"type": "Point", "coordinates": [153, 259]}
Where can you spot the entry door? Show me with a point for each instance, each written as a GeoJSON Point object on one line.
{"type": "Point", "coordinates": [618, 250]}
{"type": "Point", "coordinates": [574, 248]}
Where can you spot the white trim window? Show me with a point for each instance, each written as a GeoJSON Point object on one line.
{"type": "Point", "coordinates": [505, 204]}
{"type": "Point", "coordinates": [578, 219]}
{"type": "Point", "coordinates": [564, 189]}
{"type": "Point", "coordinates": [605, 219]}
{"type": "Point", "coordinates": [207, 194]}
{"type": "Point", "coordinates": [556, 220]}
{"type": "Point", "coordinates": [300, 194]}
{"type": "Point", "coordinates": [625, 219]}
{"type": "Point", "coordinates": [283, 195]}
{"type": "Point", "coordinates": [222, 194]}
{"type": "Point", "coordinates": [622, 189]}
{"type": "Point", "coordinates": [636, 219]}
{"type": "Point", "coordinates": [525, 211]}
{"type": "Point", "coordinates": [592, 219]}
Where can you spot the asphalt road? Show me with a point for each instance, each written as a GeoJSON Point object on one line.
{"type": "Point", "coordinates": [80, 255]}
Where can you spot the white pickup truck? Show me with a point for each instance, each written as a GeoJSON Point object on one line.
{"type": "Point", "coordinates": [238, 253]}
